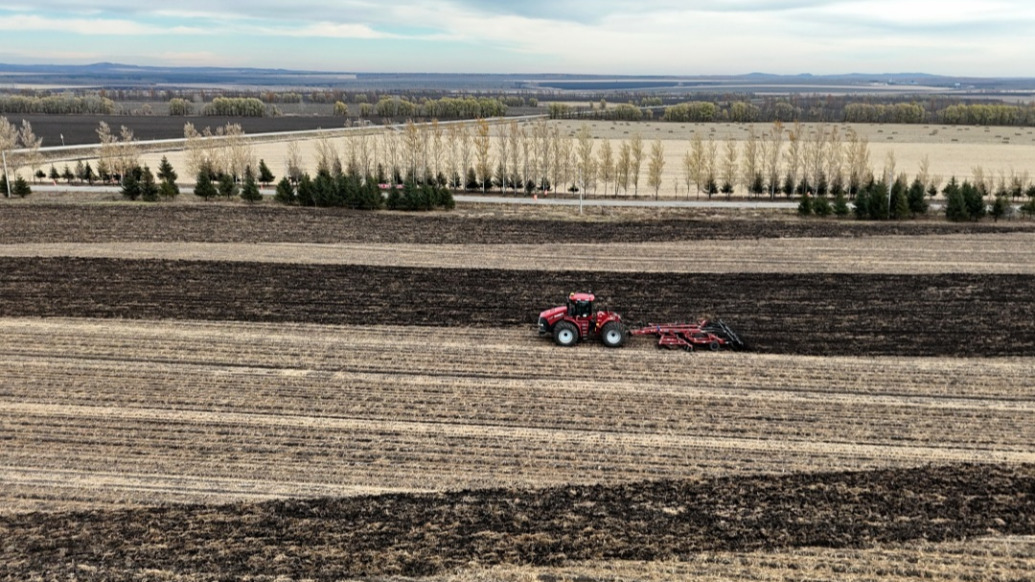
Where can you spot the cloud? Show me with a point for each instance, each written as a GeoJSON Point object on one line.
{"type": "Point", "coordinates": [83, 26]}
{"type": "Point", "coordinates": [600, 36]}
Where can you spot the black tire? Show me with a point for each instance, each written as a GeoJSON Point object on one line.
{"type": "Point", "coordinates": [613, 334]}
{"type": "Point", "coordinates": [714, 346]}
{"type": "Point", "coordinates": [565, 334]}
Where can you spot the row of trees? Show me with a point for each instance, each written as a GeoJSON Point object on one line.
{"type": "Point", "coordinates": [444, 108]}
{"type": "Point", "coordinates": [352, 191]}
{"type": "Point", "coordinates": [793, 160]}
{"type": "Point", "coordinates": [20, 137]}
{"type": "Point", "coordinates": [876, 200]}
{"type": "Point", "coordinates": [235, 107]}
{"type": "Point", "coordinates": [833, 110]}
{"type": "Point", "coordinates": [57, 104]}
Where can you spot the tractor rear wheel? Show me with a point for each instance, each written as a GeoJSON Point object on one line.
{"type": "Point", "coordinates": [613, 334]}
{"type": "Point", "coordinates": [565, 334]}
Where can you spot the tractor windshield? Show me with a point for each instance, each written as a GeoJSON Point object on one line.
{"type": "Point", "coordinates": [580, 307]}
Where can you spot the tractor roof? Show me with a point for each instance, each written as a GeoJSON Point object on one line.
{"type": "Point", "coordinates": [582, 297]}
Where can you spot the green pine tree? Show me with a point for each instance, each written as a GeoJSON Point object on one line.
{"type": "Point", "coordinates": [285, 192]}
{"type": "Point", "coordinates": [149, 190]}
{"type": "Point", "coordinates": [917, 201]}
{"type": "Point", "coordinates": [805, 206]}
{"type": "Point", "coordinates": [1001, 208]}
{"type": "Point", "coordinates": [20, 187]}
{"type": "Point", "coordinates": [899, 201]}
{"type": "Point", "coordinates": [266, 177]}
{"type": "Point", "coordinates": [821, 206]}
{"type": "Point", "coordinates": [227, 186]}
{"type": "Point", "coordinates": [250, 191]}
{"type": "Point", "coordinates": [131, 185]}
{"type": "Point", "coordinates": [168, 176]}
{"type": "Point", "coordinates": [956, 206]}
{"type": "Point", "coordinates": [841, 204]}
{"type": "Point", "coordinates": [204, 188]}
{"type": "Point", "coordinates": [878, 205]}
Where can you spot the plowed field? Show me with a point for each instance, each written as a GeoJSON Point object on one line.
{"type": "Point", "coordinates": [813, 314]}
{"type": "Point", "coordinates": [216, 222]}
{"type": "Point", "coordinates": [418, 535]}
{"type": "Point", "coordinates": [383, 406]}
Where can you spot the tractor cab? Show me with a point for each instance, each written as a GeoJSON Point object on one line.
{"type": "Point", "coordinates": [580, 305]}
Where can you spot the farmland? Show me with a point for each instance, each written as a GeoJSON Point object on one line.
{"type": "Point", "coordinates": [211, 391]}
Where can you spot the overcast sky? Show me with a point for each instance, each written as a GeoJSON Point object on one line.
{"type": "Point", "coordinates": [952, 37]}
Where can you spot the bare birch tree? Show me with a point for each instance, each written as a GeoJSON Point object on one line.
{"type": "Point", "coordinates": [293, 163]}
{"type": "Point", "coordinates": [31, 144]}
{"type": "Point", "coordinates": [8, 142]}
{"type": "Point", "coordinates": [239, 156]}
{"type": "Point", "coordinates": [636, 149]}
{"type": "Point", "coordinates": [584, 151]}
{"type": "Point", "coordinates": [606, 164]}
{"type": "Point", "coordinates": [751, 163]}
{"type": "Point", "coordinates": [622, 167]}
{"type": "Point", "coordinates": [504, 137]}
{"type": "Point", "coordinates": [464, 137]}
{"type": "Point", "coordinates": [656, 166]}
{"type": "Point", "coordinates": [128, 152]}
{"type": "Point", "coordinates": [482, 152]}
{"type": "Point", "coordinates": [435, 148]}
{"type": "Point", "coordinates": [794, 154]}
{"type": "Point", "coordinates": [773, 144]}
{"type": "Point", "coordinates": [730, 166]}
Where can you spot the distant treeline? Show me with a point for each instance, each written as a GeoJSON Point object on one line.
{"type": "Point", "coordinates": [619, 106]}
{"type": "Point", "coordinates": [444, 108]}
{"type": "Point", "coordinates": [57, 104]}
{"type": "Point", "coordinates": [807, 109]}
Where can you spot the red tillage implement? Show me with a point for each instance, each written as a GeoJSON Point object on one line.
{"type": "Point", "coordinates": [579, 319]}
{"type": "Point", "coordinates": [714, 335]}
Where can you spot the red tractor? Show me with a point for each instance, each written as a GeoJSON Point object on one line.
{"type": "Point", "coordinates": [577, 320]}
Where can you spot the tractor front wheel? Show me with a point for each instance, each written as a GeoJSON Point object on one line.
{"type": "Point", "coordinates": [565, 334]}
{"type": "Point", "coordinates": [613, 334]}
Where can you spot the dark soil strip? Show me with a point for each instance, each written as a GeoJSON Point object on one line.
{"type": "Point", "coordinates": [418, 535]}
{"type": "Point", "coordinates": [821, 314]}
{"type": "Point", "coordinates": [223, 223]}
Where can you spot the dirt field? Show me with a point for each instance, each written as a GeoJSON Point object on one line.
{"type": "Point", "coordinates": [405, 535]}
{"type": "Point", "coordinates": [184, 397]}
{"type": "Point", "coordinates": [39, 221]}
{"type": "Point", "coordinates": [1005, 253]}
{"type": "Point", "coordinates": [230, 411]}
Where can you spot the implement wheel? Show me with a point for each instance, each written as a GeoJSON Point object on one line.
{"type": "Point", "coordinates": [613, 334]}
{"type": "Point", "coordinates": [565, 334]}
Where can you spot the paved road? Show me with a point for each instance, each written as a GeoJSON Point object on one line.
{"type": "Point", "coordinates": [542, 200]}
{"type": "Point", "coordinates": [646, 202]}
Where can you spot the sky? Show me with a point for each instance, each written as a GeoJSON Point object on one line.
{"type": "Point", "coordinates": [663, 37]}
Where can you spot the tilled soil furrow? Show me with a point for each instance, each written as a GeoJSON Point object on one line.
{"type": "Point", "coordinates": [812, 314]}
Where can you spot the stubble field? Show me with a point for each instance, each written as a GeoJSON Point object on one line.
{"type": "Point", "coordinates": [186, 393]}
